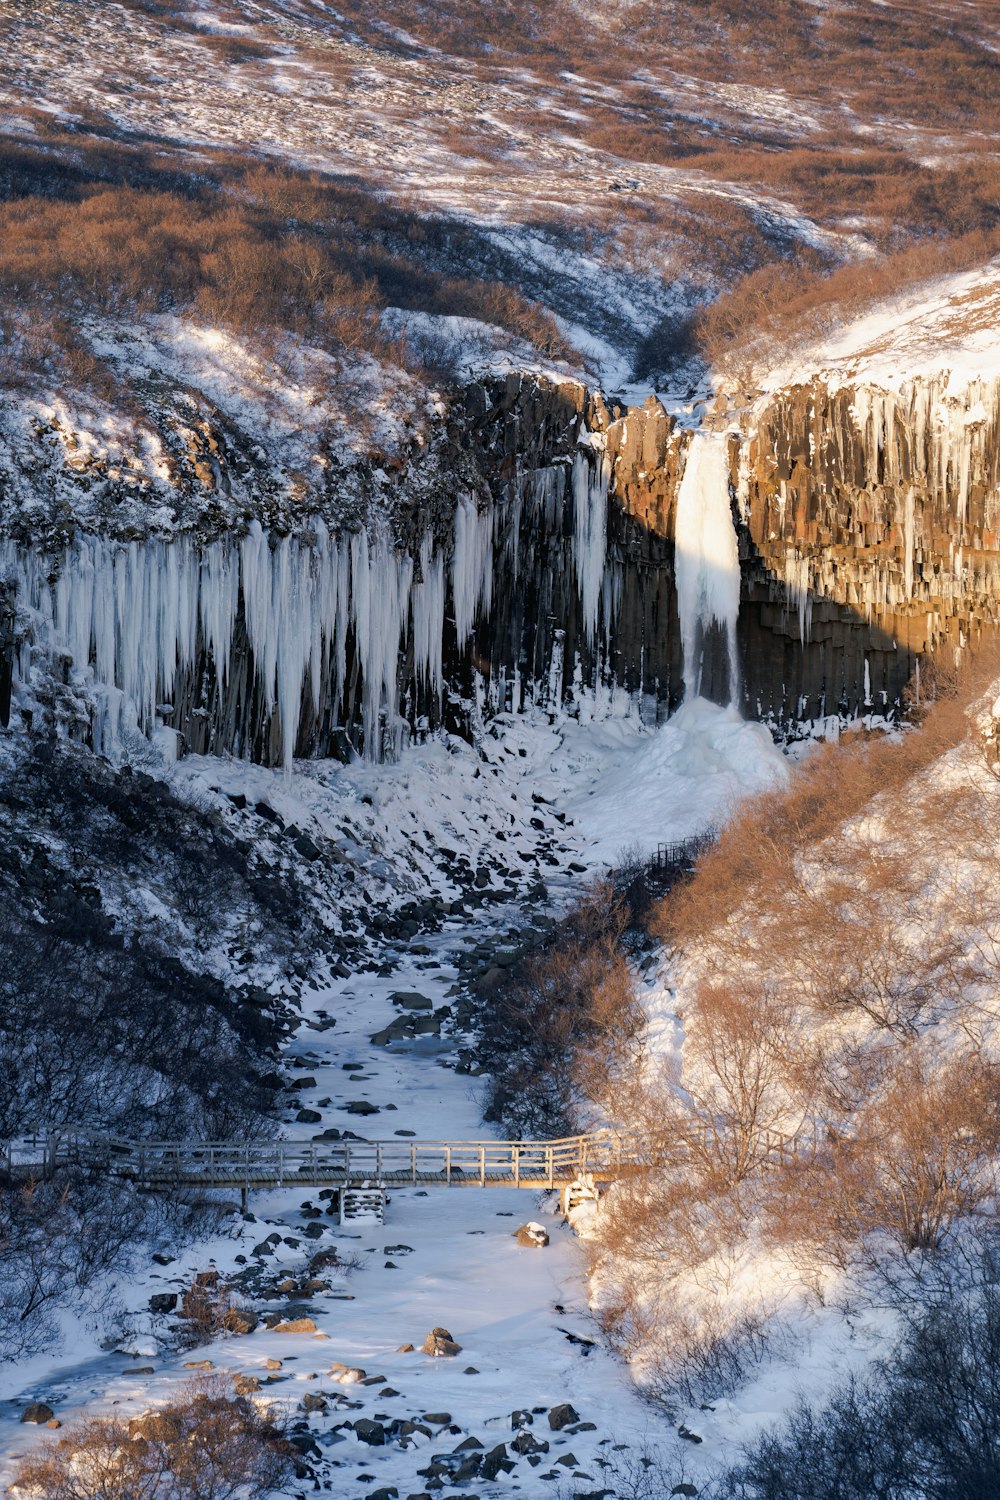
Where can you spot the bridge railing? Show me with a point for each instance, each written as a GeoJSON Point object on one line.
{"type": "Point", "coordinates": [603, 1153]}
{"type": "Point", "coordinates": [287, 1161]}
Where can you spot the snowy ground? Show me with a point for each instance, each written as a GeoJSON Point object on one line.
{"type": "Point", "coordinates": [454, 1261]}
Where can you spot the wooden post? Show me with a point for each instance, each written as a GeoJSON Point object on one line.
{"type": "Point", "coordinates": [548, 1162]}
{"type": "Point", "coordinates": [482, 1166]}
{"type": "Point", "coordinates": [413, 1163]}
{"type": "Point", "coordinates": [517, 1166]}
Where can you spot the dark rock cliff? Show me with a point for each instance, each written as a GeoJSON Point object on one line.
{"type": "Point", "coordinates": [529, 558]}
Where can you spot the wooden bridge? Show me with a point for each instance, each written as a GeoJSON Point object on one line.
{"type": "Point", "coordinates": [600, 1156]}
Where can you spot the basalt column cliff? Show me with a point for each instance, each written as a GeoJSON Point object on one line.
{"type": "Point", "coordinates": [545, 565]}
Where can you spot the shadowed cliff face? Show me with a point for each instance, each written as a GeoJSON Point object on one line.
{"type": "Point", "coordinates": [548, 576]}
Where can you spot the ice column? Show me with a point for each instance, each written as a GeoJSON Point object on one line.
{"type": "Point", "coordinates": [590, 541]}
{"type": "Point", "coordinates": [707, 558]}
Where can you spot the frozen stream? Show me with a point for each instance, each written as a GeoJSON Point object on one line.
{"type": "Point", "coordinates": [443, 1256]}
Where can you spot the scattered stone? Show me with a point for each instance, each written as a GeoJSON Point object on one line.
{"type": "Point", "coordinates": [240, 1320]}
{"type": "Point", "coordinates": [38, 1413]}
{"type": "Point", "coordinates": [562, 1416]}
{"type": "Point", "coordinates": [440, 1345]}
{"type": "Point", "coordinates": [351, 1376]}
{"type": "Point", "coordinates": [361, 1107]}
{"type": "Point", "coordinates": [522, 1418]}
{"type": "Point", "coordinates": [141, 1370]}
{"type": "Point", "coordinates": [684, 1489]}
{"type": "Point", "coordinates": [405, 1349]}
{"type": "Point", "coordinates": [163, 1302]}
{"type": "Point", "coordinates": [524, 1444]}
{"type": "Point", "coordinates": [295, 1325]}
{"type": "Point", "coordinates": [438, 1418]}
{"type": "Point", "coordinates": [372, 1433]}
{"type": "Point", "coordinates": [198, 1364]}
{"type": "Point", "coordinates": [536, 1236]}
{"type": "Point", "coordinates": [582, 1427]}
{"type": "Point", "coordinates": [494, 1461]}
{"type": "Point", "coordinates": [410, 1000]}
{"type": "Point", "coordinates": [246, 1385]}
{"type": "Point", "coordinates": [467, 1445]}
{"type": "Point", "coordinates": [470, 1370]}
{"type": "Point", "coordinates": [272, 1364]}
{"type": "Point", "coordinates": [207, 1278]}
{"type": "Point", "coordinates": [312, 1402]}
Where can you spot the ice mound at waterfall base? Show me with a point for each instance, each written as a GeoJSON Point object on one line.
{"type": "Point", "coordinates": [683, 778]}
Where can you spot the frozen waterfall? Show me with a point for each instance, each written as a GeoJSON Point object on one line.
{"type": "Point", "coordinates": [707, 559]}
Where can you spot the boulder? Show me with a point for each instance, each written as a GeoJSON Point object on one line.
{"type": "Point", "coordinates": [562, 1416]}
{"type": "Point", "coordinates": [163, 1302]}
{"type": "Point", "coordinates": [533, 1235]}
{"type": "Point", "coordinates": [440, 1344]}
{"type": "Point", "coordinates": [372, 1433]}
{"type": "Point", "coordinates": [246, 1385]}
{"type": "Point", "coordinates": [295, 1325]}
{"type": "Point", "coordinates": [38, 1413]}
{"type": "Point", "coordinates": [494, 1461]}
{"type": "Point", "coordinates": [240, 1320]}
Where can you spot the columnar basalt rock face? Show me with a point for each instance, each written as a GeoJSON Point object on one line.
{"type": "Point", "coordinates": [531, 561]}
{"type": "Point", "coordinates": [872, 539]}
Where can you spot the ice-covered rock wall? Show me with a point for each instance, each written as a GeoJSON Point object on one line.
{"type": "Point", "coordinates": [584, 557]}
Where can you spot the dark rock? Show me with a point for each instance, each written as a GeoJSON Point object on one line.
{"type": "Point", "coordinates": [562, 1416]}
{"type": "Point", "coordinates": [38, 1413]}
{"type": "Point", "coordinates": [163, 1302]}
{"type": "Point", "coordinates": [526, 1443]}
{"type": "Point", "coordinates": [494, 1461]}
{"type": "Point", "coordinates": [372, 1433]}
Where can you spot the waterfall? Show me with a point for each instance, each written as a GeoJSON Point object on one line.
{"type": "Point", "coordinates": [707, 559]}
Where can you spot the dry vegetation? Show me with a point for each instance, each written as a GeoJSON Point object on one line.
{"type": "Point", "coordinates": [798, 161]}
{"type": "Point", "coordinates": [258, 251]}
{"type": "Point", "coordinates": [209, 1444]}
{"type": "Point", "coordinates": [838, 1101]}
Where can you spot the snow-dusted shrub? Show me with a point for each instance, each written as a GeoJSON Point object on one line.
{"type": "Point", "coordinates": [209, 1446]}
{"type": "Point", "coordinates": [62, 1240]}
{"type": "Point", "coordinates": [920, 1156]}
{"type": "Point", "coordinates": [561, 1033]}
{"type": "Point", "coordinates": [925, 1423]}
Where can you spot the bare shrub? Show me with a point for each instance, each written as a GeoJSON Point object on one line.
{"type": "Point", "coordinates": [919, 1156]}
{"type": "Point", "coordinates": [924, 1422]}
{"type": "Point", "coordinates": [209, 1445]}
{"type": "Point", "coordinates": [559, 1034]}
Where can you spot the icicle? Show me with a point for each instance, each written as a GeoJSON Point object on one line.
{"type": "Point", "coordinates": [590, 506]}
{"type": "Point", "coordinates": [472, 565]}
